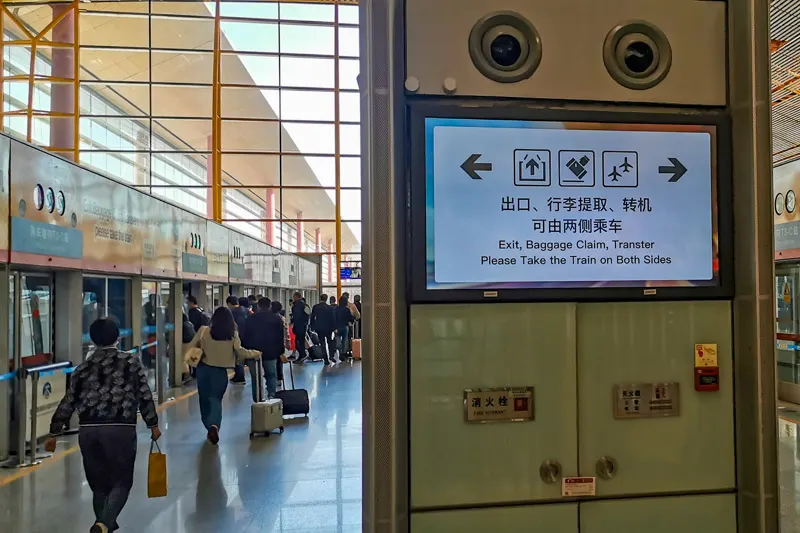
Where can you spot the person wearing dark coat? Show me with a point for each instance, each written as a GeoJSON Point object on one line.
{"type": "Point", "coordinates": [323, 321]}
{"type": "Point", "coordinates": [263, 332]}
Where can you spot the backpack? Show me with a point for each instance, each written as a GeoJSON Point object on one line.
{"type": "Point", "coordinates": [188, 331]}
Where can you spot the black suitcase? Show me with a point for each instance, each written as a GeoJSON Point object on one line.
{"type": "Point", "coordinates": [316, 353]}
{"type": "Point", "coordinates": [295, 401]}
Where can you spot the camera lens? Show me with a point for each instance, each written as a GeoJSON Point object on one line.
{"type": "Point", "coordinates": [639, 57]}
{"type": "Point", "coordinates": [505, 47]}
{"type": "Point", "coordinates": [506, 50]}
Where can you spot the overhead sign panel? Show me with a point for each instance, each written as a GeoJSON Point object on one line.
{"type": "Point", "coordinates": [527, 204]}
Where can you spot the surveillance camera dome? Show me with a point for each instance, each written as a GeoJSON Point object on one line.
{"type": "Point", "coordinates": [505, 47]}
{"type": "Point", "coordinates": [637, 55]}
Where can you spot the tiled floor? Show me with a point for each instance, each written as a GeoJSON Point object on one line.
{"type": "Point", "coordinates": [306, 480]}
{"type": "Point", "coordinates": [789, 461]}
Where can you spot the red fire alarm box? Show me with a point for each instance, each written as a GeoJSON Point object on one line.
{"type": "Point", "coordinates": [706, 368]}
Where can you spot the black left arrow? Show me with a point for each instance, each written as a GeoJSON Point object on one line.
{"type": "Point", "coordinates": [471, 166]}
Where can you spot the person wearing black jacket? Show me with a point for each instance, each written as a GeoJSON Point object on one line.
{"type": "Point", "coordinates": [300, 317]}
{"type": "Point", "coordinates": [196, 315]}
{"type": "Point", "coordinates": [108, 391]}
{"type": "Point", "coordinates": [263, 331]}
{"type": "Point", "coordinates": [343, 319]}
{"type": "Point", "coordinates": [323, 321]}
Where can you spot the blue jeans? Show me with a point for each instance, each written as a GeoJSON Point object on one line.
{"type": "Point", "coordinates": [212, 382]}
{"type": "Point", "coordinates": [270, 376]}
{"type": "Point", "coordinates": [342, 341]}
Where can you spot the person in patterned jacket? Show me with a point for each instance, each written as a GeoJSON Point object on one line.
{"type": "Point", "coordinates": [108, 390]}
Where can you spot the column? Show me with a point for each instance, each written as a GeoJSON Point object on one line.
{"type": "Point", "coordinates": [270, 214]}
{"type": "Point", "coordinates": [331, 279]}
{"type": "Point", "coordinates": [62, 95]}
{"type": "Point", "coordinates": [318, 240]}
{"type": "Point", "coordinates": [141, 174]}
{"type": "Point", "coordinates": [210, 179]}
{"type": "Point", "coordinates": [5, 386]}
{"type": "Point", "coordinates": [301, 232]}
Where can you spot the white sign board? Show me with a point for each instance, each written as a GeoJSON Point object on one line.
{"type": "Point", "coordinates": [50, 391]}
{"type": "Point", "coordinates": [578, 486]}
{"type": "Point", "coordinates": [565, 203]}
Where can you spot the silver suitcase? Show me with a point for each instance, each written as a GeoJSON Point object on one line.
{"type": "Point", "coordinates": [265, 415]}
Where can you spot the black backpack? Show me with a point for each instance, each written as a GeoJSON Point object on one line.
{"type": "Point", "coordinates": [188, 330]}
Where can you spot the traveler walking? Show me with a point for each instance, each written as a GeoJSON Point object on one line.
{"type": "Point", "coordinates": [249, 308]}
{"type": "Point", "coordinates": [221, 347]}
{"type": "Point", "coordinates": [323, 321]}
{"type": "Point", "coordinates": [196, 314]}
{"type": "Point", "coordinates": [188, 333]}
{"type": "Point", "coordinates": [357, 303]}
{"type": "Point", "coordinates": [240, 317]}
{"type": "Point", "coordinates": [301, 314]}
{"type": "Point", "coordinates": [277, 309]}
{"type": "Point", "coordinates": [264, 332]}
{"type": "Point", "coordinates": [108, 390]}
{"type": "Point", "coordinates": [344, 317]}
{"type": "Point", "coordinates": [351, 330]}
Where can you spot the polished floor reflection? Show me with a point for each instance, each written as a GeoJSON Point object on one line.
{"type": "Point", "coordinates": [306, 480]}
{"type": "Point", "coordinates": [789, 461]}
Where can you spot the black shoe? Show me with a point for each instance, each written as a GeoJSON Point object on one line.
{"type": "Point", "coordinates": [213, 436]}
{"type": "Point", "coordinates": [300, 360]}
{"type": "Point", "coordinates": [98, 528]}
{"type": "Point", "coordinates": [238, 381]}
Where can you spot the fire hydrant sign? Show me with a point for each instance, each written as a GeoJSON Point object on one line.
{"type": "Point", "coordinates": [530, 204]}
{"type": "Point", "coordinates": [578, 486]}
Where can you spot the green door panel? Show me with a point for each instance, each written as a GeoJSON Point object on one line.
{"type": "Point", "coordinates": [457, 347]}
{"type": "Point", "coordinates": [646, 343]}
{"type": "Point", "coordinates": [551, 518]}
{"type": "Point", "coordinates": [714, 513]}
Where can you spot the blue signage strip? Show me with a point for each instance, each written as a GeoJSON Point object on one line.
{"type": "Point", "coordinates": [235, 270]}
{"type": "Point", "coordinates": [33, 237]}
{"type": "Point", "coordinates": [195, 264]}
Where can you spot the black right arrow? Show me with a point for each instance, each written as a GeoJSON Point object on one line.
{"type": "Point", "coordinates": [471, 165]}
{"type": "Point", "coordinates": [677, 169]}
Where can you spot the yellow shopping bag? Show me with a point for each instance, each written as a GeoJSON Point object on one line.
{"type": "Point", "coordinates": [156, 473]}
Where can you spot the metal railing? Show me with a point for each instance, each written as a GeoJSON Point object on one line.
{"type": "Point", "coordinates": [29, 419]}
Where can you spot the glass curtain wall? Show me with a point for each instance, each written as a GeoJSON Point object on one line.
{"type": "Point", "coordinates": [245, 112]}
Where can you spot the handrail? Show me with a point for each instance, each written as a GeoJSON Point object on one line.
{"type": "Point", "coordinates": [46, 369]}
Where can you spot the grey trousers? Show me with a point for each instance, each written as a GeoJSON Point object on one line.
{"type": "Point", "coordinates": [109, 455]}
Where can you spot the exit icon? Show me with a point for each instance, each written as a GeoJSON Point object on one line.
{"type": "Point", "coordinates": [532, 168]}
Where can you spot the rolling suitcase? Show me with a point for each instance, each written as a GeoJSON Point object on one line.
{"type": "Point", "coordinates": [355, 344]}
{"type": "Point", "coordinates": [265, 415]}
{"type": "Point", "coordinates": [295, 401]}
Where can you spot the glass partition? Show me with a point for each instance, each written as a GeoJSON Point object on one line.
{"type": "Point", "coordinates": [36, 319]}
{"type": "Point", "coordinates": [788, 331]}
{"type": "Point", "coordinates": [107, 297]}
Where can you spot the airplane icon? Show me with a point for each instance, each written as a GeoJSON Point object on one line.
{"type": "Point", "coordinates": [621, 169]}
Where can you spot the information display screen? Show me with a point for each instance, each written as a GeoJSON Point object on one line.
{"type": "Point", "coordinates": [515, 204]}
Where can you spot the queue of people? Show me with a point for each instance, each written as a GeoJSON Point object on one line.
{"type": "Point", "coordinates": [110, 388]}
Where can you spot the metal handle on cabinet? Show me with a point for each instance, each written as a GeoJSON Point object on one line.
{"type": "Point", "coordinates": [606, 467]}
{"type": "Point", "coordinates": [550, 471]}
